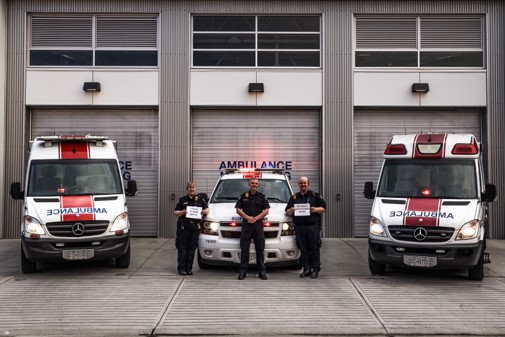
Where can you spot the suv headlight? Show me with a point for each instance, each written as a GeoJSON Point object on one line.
{"type": "Point", "coordinates": [210, 227]}
{"type": "Point", "coordinates": [376, 227]}
{"type": "Point", "coordinates": [468, 231]}
{"type": "Point", "coordinates": [288, 228]}
{"type": "Point", "coordinates": [121, 224]}
{"type": "Point", "coordinates": [33, 228]}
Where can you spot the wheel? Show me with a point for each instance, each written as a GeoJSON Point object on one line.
{"type": "Point", "coordinates": [124, 261]}
{"type": "Point", "coordinates": [477, 273]}
{"type": "Point", "coordinates": [201, 262]}
{"type": "Point", "coordinates": [375, 267]}
{"type": "Point", "coordinates": [27, 266]}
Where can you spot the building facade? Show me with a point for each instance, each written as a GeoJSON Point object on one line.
{"type": "Point", "coordinates": [189, 88]}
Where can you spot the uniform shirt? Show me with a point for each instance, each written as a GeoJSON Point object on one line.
{"type": "Point", "coordinates": [187, 201]}
{"type": "Point", "coordinates": [252, 204]}
{"type": "Point", "coordinates": [314, 199]}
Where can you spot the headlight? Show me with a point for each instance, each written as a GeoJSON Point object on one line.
{"type": "Point", "coordinates": [288, 228]}
{"type": "Point", "coordinates": [376, 227]}
{"type": "Point", "coordinates": [470, 230]}
{"type": "Point", "coordinates": [210, 227]}
{"type": "Point", "coordinates": [121, 224]}
{"type": "Point", "coordinates": [33, 228]}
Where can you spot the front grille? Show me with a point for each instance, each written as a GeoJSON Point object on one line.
{"type": "Point", "coordinates": [435, 234]}
{"type": "Point", "coordinates": [64, 229]}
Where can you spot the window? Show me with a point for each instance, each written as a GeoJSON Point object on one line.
{"type": "Point", "coordinates": [419, 41]}
{"type": "Point", "coordinates": [93, 41]}
{"type": "Point", "coordinates": [256, 41]}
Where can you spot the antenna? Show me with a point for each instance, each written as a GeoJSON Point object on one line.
{"type": "Point", "coordinates": [405, 126]}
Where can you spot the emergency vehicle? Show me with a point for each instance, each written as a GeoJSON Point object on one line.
{"type": "Point", "coordinates": [74, 202]}
{"type": "Point", "coordinates": [219, 241]}
{"type": "Point", "coordinates": [430, 207]}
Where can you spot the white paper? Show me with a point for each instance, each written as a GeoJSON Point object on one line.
{"type": "Point", "coordinates": [302, 209]}
{"type": "Point", "coordinates": [194, 212]}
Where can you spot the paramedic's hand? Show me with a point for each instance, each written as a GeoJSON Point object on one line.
{"type": "Point", "coordinates": [290, 211]}
{"type": "Point", "coordinates": [251, 219]}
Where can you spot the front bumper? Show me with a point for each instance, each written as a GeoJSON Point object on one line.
{"type": "Point", "coordinates": [46, 249]}
{"type": "Point", "coordinates": [220, 251]}
{"type": "Point", "coordinates": [461, 256]}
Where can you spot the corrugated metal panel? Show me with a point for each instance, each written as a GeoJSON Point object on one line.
{"type": "Point", "coordinates": [126, 32]}
{"type": "Point", "coordinates": [256, 137]}
{"type": "Point", "coordinates": [58, 31]}
{"type": "Point", "coordinates": [136, 134]}
{"type": "Point", "coordinates": [372, 131]}
{"type": "Point", "coordinates": [452, 32]}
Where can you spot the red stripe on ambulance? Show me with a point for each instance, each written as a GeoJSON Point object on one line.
{"type": "Point", "coordinates": [427, 138]}
{"type": "Point", "coordinates": [76, 202]}
{"type": "Point", "coordinates": [73, 150]}
{"type": "Point", "coordinates": [422, 212]}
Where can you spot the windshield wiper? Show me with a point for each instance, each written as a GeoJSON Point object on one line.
{"type": "Point", "coordinates": [275, 199]}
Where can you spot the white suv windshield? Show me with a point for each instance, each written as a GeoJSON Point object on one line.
{"type": "Point", "coordinates": [229, 190]}
{"type": "Point", "coordinates": [428, 178]}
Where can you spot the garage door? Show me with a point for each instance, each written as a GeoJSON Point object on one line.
{"type": "Point", "coordinates": [255, 138]}
{"type": "Point", "coordinates": [372, 131]}
{"type": "Point", "coordinates": [136, 134]}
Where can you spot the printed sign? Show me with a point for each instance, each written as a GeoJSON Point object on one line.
{"type": "Point", "coordinates": [194, 212]}
{"type": "Point", "coordinates": [302, 209]}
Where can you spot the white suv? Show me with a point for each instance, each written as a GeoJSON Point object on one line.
{"type": "Point", "coordinates": [219, 242]}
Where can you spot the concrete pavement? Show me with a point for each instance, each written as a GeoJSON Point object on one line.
{"type": "Point", "coordinates": [149, 298]}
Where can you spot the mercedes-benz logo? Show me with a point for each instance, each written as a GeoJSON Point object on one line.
{"type": "Point", "coordinates": [78, 229]}
{"type": "Point", "coordinates": [420, 233]}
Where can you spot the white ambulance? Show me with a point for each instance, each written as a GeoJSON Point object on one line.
{"type": "Point", "coordinates": [430, 207]}
{"type": "Point", "coordinates": [219, 241]}
{"type": "Point", "coordinates": [74, 202]}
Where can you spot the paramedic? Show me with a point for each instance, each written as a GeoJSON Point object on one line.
{"type": "Point", "coordinates": [306, 208]}
{"type": "Point", "coordinates": [188, 228]}
{"type": "Point", "coordinates": [252, 206]}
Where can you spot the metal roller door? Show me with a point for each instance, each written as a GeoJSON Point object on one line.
{"type": "Point", "coordinates": [136, 134]}
{"type": "Point", "coordinates": [372, 131]}
{"type": "Point", "coordinates": [255, 138]}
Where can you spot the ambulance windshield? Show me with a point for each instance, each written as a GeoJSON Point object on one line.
{"type": "Point", "coordinates": [73, 177]}
{"type": "Point", "coordinates": [229, 190]}
{"type": "Point", "coordinates": [450, 179]}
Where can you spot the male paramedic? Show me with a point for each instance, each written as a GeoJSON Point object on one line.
{"type": "Point", "coordinates": [306, 208]}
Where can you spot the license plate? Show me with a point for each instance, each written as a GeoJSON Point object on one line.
{"type": "Point", "coordinates": [420, 261]}
{"type": "Point", "coordinates": [252, 257]}
{"type": "Point", "coordinates": [78, 254]}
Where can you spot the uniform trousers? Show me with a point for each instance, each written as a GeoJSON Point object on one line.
{"type": "Point", "coordinates": [308, 239]}
{"type": "Point", "coordinates": [186, 243]}
{"type": "Point", "coordinates": [256, 233]}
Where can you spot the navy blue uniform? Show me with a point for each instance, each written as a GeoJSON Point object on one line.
{"type": "Point", "coordinates": [188, 231]}
{"type": "Point", "coordinates": [252, 205]}
{"type": "Point", "coordinates": [308, 230]}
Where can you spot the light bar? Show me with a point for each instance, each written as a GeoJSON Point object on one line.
{"type": "Point", "coordinates": [467, 149]}
{"type": "Point", "coordinates": [395, 149]}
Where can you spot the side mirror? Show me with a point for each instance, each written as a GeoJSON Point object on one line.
{"type": "Point", "coordinates": [16, 192]}
{"type": "Point", "coordinates": [369, 192]}
{"type": "Point", "coordinates": [490, 193]}
{"type": "Point", "coordinates": [131, 188]}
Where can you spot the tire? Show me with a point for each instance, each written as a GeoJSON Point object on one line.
{"type": "Point", "coordinates": [124, 261]}
{"type": "Point", "coordinates": [375, 267]}
{"type": "Point", "coordinates": [27, 266]}
{"type": "Point", "coordinates": [477, 273]}
{"type": "Point", "coordinates": [201, 262]}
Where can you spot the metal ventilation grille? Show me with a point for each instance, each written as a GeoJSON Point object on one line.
{"type": "Point", "coordinates": [61, 31]}
{"type": "Point", "coordinates": [126, 32]}
{"type": "Point", "coordinates": [386, 32]}
{"type": "Point", "coordinates": [452, 32]}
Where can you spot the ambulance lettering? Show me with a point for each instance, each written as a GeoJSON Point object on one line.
{"type": "Point", "coordinates": [443, 215]}
{"type": "Point", "coordinates": [79, 210]}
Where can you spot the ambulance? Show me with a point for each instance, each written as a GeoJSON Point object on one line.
{"type": "Point", "coordinates": [430, 206]}
{"type": "Point", "coordinates": [74, 202]}
{"type": "Point", "coordinates": [219, 241]}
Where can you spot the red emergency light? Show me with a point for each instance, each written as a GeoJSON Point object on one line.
{"type": "Point", "coordinates": [250, 173]}
{"type": "Point", "coordinates": [233, 224]}
{"type": "Point", "coordinates": [468, 149]}
{"type": "Point", "coordinates": [395, 149]}
{"type": "Point", "coordinates": [267, 224]}
{"type": "Point", "coordinates": [426, 192]}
